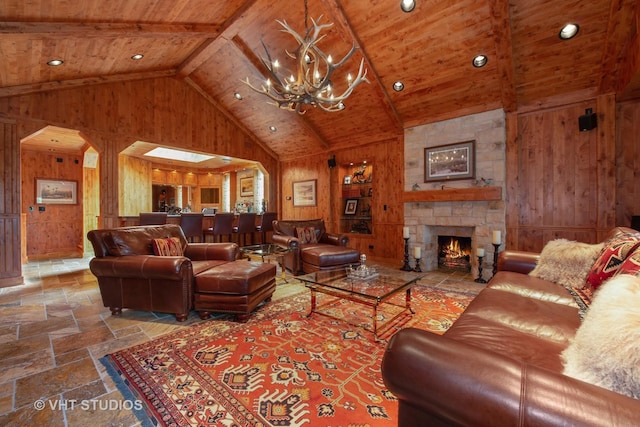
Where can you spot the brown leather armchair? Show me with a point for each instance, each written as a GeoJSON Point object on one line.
{"type": "Point", "coordinates": [131, 276]}
{"type": "Point", "coordinates": [330, 252]}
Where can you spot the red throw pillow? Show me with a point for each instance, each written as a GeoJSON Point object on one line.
{"type": "Point", "coordinates": [631, 265]}
{"type": "Point", "coordinates": [615, 252]}
{"type": "Point", "coordinates": [306, 235]}
{"type": "Point", "coordinates": [167, 247]}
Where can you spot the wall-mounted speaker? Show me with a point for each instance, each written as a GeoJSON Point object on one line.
{"type": "Point", "coordinates": [332, 162]}
{"type": "Point", "coordinates": [589, 121]}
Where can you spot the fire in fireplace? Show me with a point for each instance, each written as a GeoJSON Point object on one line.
{"type": "Point", "coordinates": [454, 253]}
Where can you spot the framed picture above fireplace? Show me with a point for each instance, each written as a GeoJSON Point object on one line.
{"type": "Point", "coordinates": [450, 162]}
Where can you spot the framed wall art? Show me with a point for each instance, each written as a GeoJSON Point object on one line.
{"type": "Point", "coordinates": [56, 192]}
{"type": "Point", "coordinates": [450, 162]}
{"type": "Point", "coordinates": [351, 206]}
{"type": "Point", "coordinates": [246, 186]}
{"type": "Point", "coordinates": [304, 193]}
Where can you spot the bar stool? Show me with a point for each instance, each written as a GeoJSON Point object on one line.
{"type": "Point", "coordinates": [191, 224]}
{"type": "Point", "coordinates": [246, 225]}
{"type": "Point", "coordinates": [153, 218]}
{"type": "Point", "coordinates": [222, 225]}
{"type": "Point", "coordinates": [266, 224]}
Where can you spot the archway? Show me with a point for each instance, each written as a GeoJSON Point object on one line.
{"type": "Point", "coordinates": [60, 193]}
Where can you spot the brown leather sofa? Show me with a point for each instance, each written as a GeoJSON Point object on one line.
{"type": "Point", "coordinates": [330, 251]}
{"type": "Point", "coordinates": [500, 363]}
{"type": "Point", "coordinates": [131, 276]}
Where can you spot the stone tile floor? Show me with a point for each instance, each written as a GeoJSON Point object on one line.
{"type": "Point", "coordinates": [54, 329]}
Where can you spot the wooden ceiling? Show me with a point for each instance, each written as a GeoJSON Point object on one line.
{"type": "Point", "coordinates": [213, 45]}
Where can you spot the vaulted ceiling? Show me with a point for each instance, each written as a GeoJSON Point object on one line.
{"type": "Point", "coordinates": [213, 45]}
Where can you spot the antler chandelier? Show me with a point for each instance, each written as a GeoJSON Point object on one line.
{"type": "Point", "coordinates": [311, 84]}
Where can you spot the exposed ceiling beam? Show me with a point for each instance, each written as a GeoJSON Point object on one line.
{"type": "Point", "coordinates": [255, 61]}
{"type": "Point", "coordinates": [211, 46]}
{"type": "Point", "coordinates": [504, 52]}
{"type": "Point", "coordinates": [619, 45]}
{"type": "Point", "coordinates": [66, 84]}
{"type": "Point", "coordinates": [65, 30]}
{"type": "Point", "coordinates": [340, 20]}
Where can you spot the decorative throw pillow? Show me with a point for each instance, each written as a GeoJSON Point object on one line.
{"type": "Point", "coordinates": [611, 258]}
{"type": "Point", "coordinates": [306, 235]}
{"type": "Point", "coordinates": [566, 262]}
{"type": "Point", "coordinates": [606, 348]}
{"type": "Point", "coordinates": [167, 247]}
{"type": "Point", "coordinates": [631, 265]}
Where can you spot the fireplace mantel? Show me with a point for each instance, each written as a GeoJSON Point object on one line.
{"type": "Point", "coordinates": [453, 195]}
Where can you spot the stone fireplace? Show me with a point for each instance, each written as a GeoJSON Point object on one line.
{"type": "Point", "coordinates": [463, 210]}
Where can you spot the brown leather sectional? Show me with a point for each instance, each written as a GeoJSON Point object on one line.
{"type": "Point", "coordinates": [330, 251]}
{"type": "Point", "coordinates": [500, 363]}
{"type": "Point", "coordinates": [208, 278]}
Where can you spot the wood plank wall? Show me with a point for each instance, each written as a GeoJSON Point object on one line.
{"type": "Point", "coordinates": [561, 182]}
{"type": "Point", "coordinates": [10, 234]}
{"type": "Point", "coordinates": [113, 116]}
{"type": "Point", "coordinates": [135, 175]}
{"type": "Point", "coordinates": [564, 179]}
{"type": "Point", "coordinates": [57, 231]}
{"type": "Point", "coordinates": [628, 162]}
{"type": "Point", "coordinates": [387, 158]}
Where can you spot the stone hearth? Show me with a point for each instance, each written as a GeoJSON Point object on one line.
{"type": "Point", "coordinates": [467, 218]}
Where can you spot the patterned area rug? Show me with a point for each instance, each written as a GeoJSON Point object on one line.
{"type": "Point", "coordinates": [281, 368]}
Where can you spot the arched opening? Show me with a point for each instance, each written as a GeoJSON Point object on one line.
{"type": "Point", "coordinates": [60, 193]}
{"type": "Point", "coordinates": [173, 183]}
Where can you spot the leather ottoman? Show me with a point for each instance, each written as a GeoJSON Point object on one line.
{"type": "Point", "coordinates": [327, 257]}
{"type": "Point", "coordinates": [235, 287]}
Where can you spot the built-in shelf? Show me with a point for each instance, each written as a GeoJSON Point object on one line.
{"type": "Point", "coordinates": [453, 195]}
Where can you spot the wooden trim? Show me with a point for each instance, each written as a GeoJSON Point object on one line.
{"type": "Point", "coordinates": [453, 195]}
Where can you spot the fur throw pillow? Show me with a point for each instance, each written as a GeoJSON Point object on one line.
{"type": "Point", "coordinates": [566, 262]}
{"type": "Point", "coordinates": [606, 348]}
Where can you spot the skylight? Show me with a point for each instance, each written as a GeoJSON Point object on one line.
{"type": "Point", "coordinates": [171, 154]}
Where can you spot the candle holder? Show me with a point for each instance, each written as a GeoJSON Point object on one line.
{"type": "Point", "coordinates": [495, 257]}
{"type": "Point", "coordinates": [406, 266]}
{"type": "Point", "coordinates": [480, 279]}
{"type": "Point", "coordinates": [417, 267]}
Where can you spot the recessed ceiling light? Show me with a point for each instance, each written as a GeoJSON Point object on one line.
{"type": "Point", "coordinates": [480, 61]}
{"type": "Point", "coordinates": [185, 156]}
{"type": "Point", "coordinates": [407, 5]}
{"type": "Point", "coordinates": [398, 86]}
{"type": "Point", "coordinates": [237, 96]}
{"type": "Point", "coordinates": [569, 31]}
{"type": "Point", "coordinates": [273, 128]}
{"type": "Point", "coordinates": [137, 56]}
{"type": "Point", "coordinates": [55, 62]}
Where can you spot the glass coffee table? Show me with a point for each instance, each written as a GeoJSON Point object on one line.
{"type": "Point", "coordinates": [374, 292]}
{"type": "Point", "coordinates": [268, 251]}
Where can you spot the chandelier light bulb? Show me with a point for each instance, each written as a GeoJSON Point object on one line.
{"type": "Point", "coordinates": [349, 78]}
{"type": "Point", "coordinates": [329, 59]}
{"type": "Point", "coordinates": [276, 64]}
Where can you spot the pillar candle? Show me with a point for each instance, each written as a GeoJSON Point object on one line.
{"type": "Point", "coordinates": [416, 252]}
{"type": "Point", "coordinates": [480, 252]}
{"type": "Point", "coordinates": [405, 232]}
{"type": "Point", "coordinates": [496, 238]}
